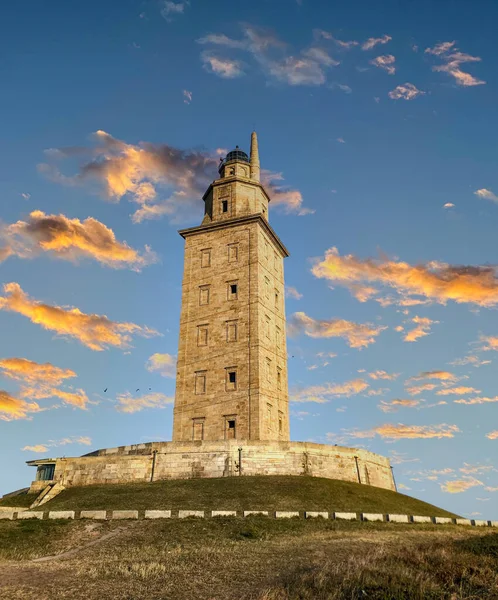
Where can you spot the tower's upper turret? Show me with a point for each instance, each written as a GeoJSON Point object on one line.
{"type": "Point", "coordinates": [238, 191]}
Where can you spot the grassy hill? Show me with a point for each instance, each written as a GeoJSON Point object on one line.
{"type": "Point", "coordinates": [240, 493]}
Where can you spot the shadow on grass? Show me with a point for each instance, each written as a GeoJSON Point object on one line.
{"type": "Point", "coordinates": [481, 546]}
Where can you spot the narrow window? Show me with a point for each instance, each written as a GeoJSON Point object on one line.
{"type": "Point", "coordinates": [269, 413]}
{"type": "Point", "coordinates": [224, 206]}
{"type": "Point", "coordinates": [268, 369]}
{"type": "Point", "coordinates": [203, 295]}
{"type": "Point", "coordinates": [231, 379]}
{"type": "Point", "coordinates": [267, 287]}
{"type": "Point", "coordinates": [200, 382]}
{"type": "Point", "coordinates": [202, 335]}
{"type": "Point", "coordinates": [267, 326]}
{"type": "Point", "coordinates": [198, 430]}
{"type": "Point", "coordinates": [267, 249]}
{"type": "Point", "coordinates": [230, 431]}
{"type": "Point", "coordinates": [279, 378]}
{"type": "Point", "coordinates": [280, 423]}
{"type": "Point", "coordinates": [233, 253]}
{"type": "Point", "coordinates": [232, 290]}
{"type": "Point", "coordinates": [206, 258]}
{"type": "Point", "coordinates": [277, 299]}
{"type": "Point", "coordinates": [232, 331]}
{"type": "Point", "coordinates": [277, 336]}
{"type": "Point", "coordinates": [275, 261]}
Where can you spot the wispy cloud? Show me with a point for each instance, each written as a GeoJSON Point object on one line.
{"type": "Point", "coordinates": [161, 179]}
{"type": "Point", "coordinates": [449, 205]}
{"type": "Point", "coordinates": [327, 391]}
{"type": "Point", "coordinates": [397, 403]}
{"type": "Point", "coordinates": [97, 332]}
{"type": "Point", "coordinates": [492, 435]}
{"type": "Point", "coordinates": [357, 335]}
{"type": "Point", "coordinates": [227, 68]}
{"type": "Point", "coordinates": [452, 59]}
{"type": "Point", "coordinates": [385, 62]}
{"type": "Point", "coordinates": [291, 292]}
{"type": "Point", "coordinates": [486, 194]}
{"type": "Point", "coordinates": [490, 343]}
{"type": "Point", "coordinates": [12, 408]}
{"type": "Point", "coordinates": [435, 281]}
{"type": "Point", "coordinates": [423, 327]}
{"type": "Point", "coordinates": [164, 364]}
{"type": "Point", "coordinates": [383, 375]}
{"type": "Point", "coordinates": [400, 431]}
{"type": "Point", "coordinates": [42, 448]}
{"type": "Point", "coordinates": [128, 403]}
{"type": "Point", "coordinates": [42, 381]}
{"type": "Point", "coordinates": [457, 486]}
{"type": "Point", "coordinates": [457, 391]}
{"type": "Point", "coordinates": [72, 239]}
{"type": "Point", "coordinates": [372, 42]}
{"type": "Point", "coordinates": [285, 198]}
{"type": "Point", "coordinates": [477, 400]}
{"type": "Point", "coordinates": [472, 359]}
{"type": "Point", "coordinates": [439, 375]}
{"type": "Point", "coordinates": [407, 91]}
{"type": "Point", "coordinates": [171, 9]}
{"type": "Point", "coordinates": [187, 96]}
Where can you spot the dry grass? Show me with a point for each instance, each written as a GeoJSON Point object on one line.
{"type": "Point", "coordinates": [260, 559]}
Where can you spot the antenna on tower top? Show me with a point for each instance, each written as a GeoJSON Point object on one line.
{"type": "Point", "coordinates": [255, 170]}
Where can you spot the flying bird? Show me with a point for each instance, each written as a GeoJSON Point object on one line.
{"type": "Point", "coordinates": [137, 390]}
{"type": "Point", "coordinates": [105, 390]}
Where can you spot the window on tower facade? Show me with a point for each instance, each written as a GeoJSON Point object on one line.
{"type": "Point", "coordinates": [200, 382]}
{"type": "Point", "coordinates": [279, 378]}
{"type": "Point", "coordinates": [232, 332]}
{"type": "Point", "coordinates": [278, 336]}
{"type": "Point", "coordinates": [267, 326]}
{"type": "Point", "coordinates": [232, 291]}
{"type": "Point", "coordinates": [268, 369]}
{"type": "Point", "coordinates": [267, 250]}
{"type": "Point", "coordinates": [198, 429]}
{"type": "Point", "coordinates": [280, 422]}
{"type": "Point", "coordinates": [203, 295]}
{"type": "Point", "coordinates": [275, 261]}
{"type": "Point", "coordinates": [224, 206]}
{"type": "Point", "coordinates": [268, 415]}
{"type": "Point", "coordinates": [231, 379]}
{"type": "Point", "coordinates": [267, 287]}
{"type": "Point", "coordinates": [206, 257]}
{"type": "Point", "coordinates": [233, 253]}
{"type": "Point", "coordinates": [277, 299]}
{"type": "Point", "coordinates": [230, 427]}
{"type": "Point", "coordinates": [202, 335]}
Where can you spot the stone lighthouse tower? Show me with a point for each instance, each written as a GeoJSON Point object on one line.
{"type": "Point", "coordinates": [232, 359]}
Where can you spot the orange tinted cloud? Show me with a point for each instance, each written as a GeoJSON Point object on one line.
{"type": "Point", "coordinates": [97, 332]}
{"type": "Point", "coordinates": [147, 173]}
{"type": "Point", "coordinates": [440, 375]}
{"type": "Point", "coordinates": [490, 342]}
{"type": "Point", "coordinates": [423, 326]}
{"type": "Point", "coordinates": [72, 239]}
{"type": "Point", "coordinates": [457, 391]}
{"type": "Point", "coordinates": [357, 335]}
{"type": "Point", "coordinates": [460, 485]}
{"type": "Point", "coordinates": [383, 375]}
{"type": "Point", "coordinates": [40, 380]}
{"type": "Point", "coordinates": [129, 404]}
{"type": "Point", "coordinates": [452, 58]}
{"type": "Point", "coordinates": [400, 431]}
{"type": "Point", "coordinates": [492, 435]}
{"type": "Point", "coordinates": [414, 390]}
{"type": "Point", "coordinates": [397, 403]}
{"type": "Point", "coordinates": [323, 393]}
{"type": "Point", "coordinates": [39, 448]}
{"type": "Point", "coordinates": [477, 400]}
{"type": "Point", "coordinates": [471, 359]}
{"type": "Point", "coordinates": [12, 408]}
{"type": "Point", "coordinates": [435, 281]}
{"type": "Point", "coordinates": [164, 364]}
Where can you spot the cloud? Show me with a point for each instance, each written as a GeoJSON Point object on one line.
{"type": "Point", "coordinates": [449, 205]}
{"type": "Point", "coordinates": [72, 239]}
{"type": "Point", "coordinates": [271, 55]}
{"type": "Point", "coordinates": [128, 404]}
{"type": "Point", "coordinates": [187, 97]}
{"type": "Point", "coordinates": [452, 59]}
{"type": "Point", "coordinates": [486, 194]}
{"type": "Point", "coordinates": [39, 448]}
{"type": "Point", "coordinates": [383, 375]}
{"type": "Point", "coordinates": [408, 91]}
{"type": "Point", "coordinates": [96, 332]}
{"type": "Point", "coordinates": [291, 292]}
{"type": "Point", "coordinates": [161, 179]}
{"type": "Point", "coordinates": [324, 393]}
{"type": "Point", "coordinates": [471, 359]}
{"type": "Point", "coordinates": [423, 326]}
{"type": "Point", "coordinates": [165, 364]}
{"type": "Point", "coordinates": [414, 390]}
{"type": "Point", "coordinates": [226, 68]}
{"type": "Point", "coordinates": [435, 281]}
{"type": "Point", "coordinates": [12, 409]}
{"type": "Point", "coordinates": [460, 485]}
{"type": "Point", "coordinates": [372, 42]}
{"type": "Point", "coordinates": [25, 195]}
{"type": "Point", "coordinates": [492, 435]}
{"type": "Point", "coordinates": [357, 335]}
{"type": "Point", "coordinates": [490, 343]}
{"type": "Point", "coordinates": [385, 62]}
{"type": "Point", "coordinates": [400, 431]}
{"type": "Point", "coordinates": [42, 448]}
{"type": "Point", "coordinates": [472, 469]}
{"type": "Point", "coordinates": [40, 381]}
{"type": "Point", "coordinates": [341, 140]}
{"type": "Point", "coordinates": [170, 9]}
{"type": "Point", "coordinates": [439, 375]}
{"type": "Point", "coordinates": [457, 391]}
{"type": "Point", "coordinates": [396, 404]}
{"type": "Point", "coordinates": [477, 400]}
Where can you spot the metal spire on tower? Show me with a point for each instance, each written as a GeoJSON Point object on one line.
{"type": "Point", "coordinates": [254, 157]}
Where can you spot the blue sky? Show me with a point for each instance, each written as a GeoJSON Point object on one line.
{"type": "Point", "coordinates": [377, 126]}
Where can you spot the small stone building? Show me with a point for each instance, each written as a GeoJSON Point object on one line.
{"type": "Point", "coordinates": [231, 412]}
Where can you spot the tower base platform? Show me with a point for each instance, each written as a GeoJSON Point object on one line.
{"type": "Point", "coordinates": [156, 461]}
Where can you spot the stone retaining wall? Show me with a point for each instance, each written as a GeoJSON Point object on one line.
{"type": "Point", "coordinates": [106, 515]}
{"type": "Point", "coordinates": [186, 460]}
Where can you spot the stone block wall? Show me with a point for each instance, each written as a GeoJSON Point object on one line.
{"type": "Point", "coordinates": [186, 460]}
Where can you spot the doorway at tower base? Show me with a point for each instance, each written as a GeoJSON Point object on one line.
{"type": "Point", "coordinates": [157, 461]}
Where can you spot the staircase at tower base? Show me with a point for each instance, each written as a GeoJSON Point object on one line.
{"type": "Point", "coordinates": [156, 461]}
